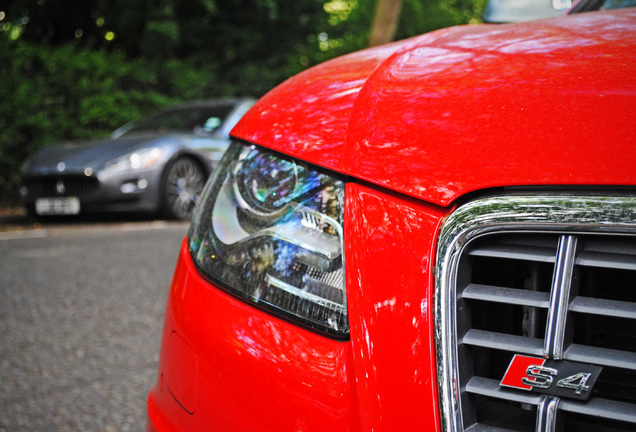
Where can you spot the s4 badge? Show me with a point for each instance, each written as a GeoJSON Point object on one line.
{"type": "Point", "coordinates": [558, 378]}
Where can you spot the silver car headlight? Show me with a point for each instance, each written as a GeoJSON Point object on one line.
{"type": "Point", "coordinates": [142, 158]}
{"type": "Point", "coordinates": [269, 230]}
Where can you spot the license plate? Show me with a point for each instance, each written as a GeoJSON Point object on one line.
{"type": "Point", "coordinates": [57, 206]}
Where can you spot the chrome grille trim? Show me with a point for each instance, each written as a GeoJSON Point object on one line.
{"type": "Point", "coordinates": [565, 215]}
{"type": "Point", "coordinates": [560, 298]}
{"type": "Point", "coordinates": [547, 413]}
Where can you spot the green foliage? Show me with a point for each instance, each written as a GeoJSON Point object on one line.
{"type": "Point", "coordinates": [160, 39]}
{"type": "Point", "coordinates": [437, 14]}
{"type": "Point", "coordinates": [77, 69]}
{"type": "Point", "coordinates": [53, 94]}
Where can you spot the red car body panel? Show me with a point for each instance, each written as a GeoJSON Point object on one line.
{"type": "Point", "coordinates": [471, 108]}
{"type": "Point", "coordinates": [253, 371]}
{"type": "Point", "coordinates": [416, 124]}
{"type": "Point", "coordinates": [390, 251]}
{"type": "Point", "coordinates": [309, 114]}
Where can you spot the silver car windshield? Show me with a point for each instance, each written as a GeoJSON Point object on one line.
{"type": "Point", "coordinates": [202, 119]}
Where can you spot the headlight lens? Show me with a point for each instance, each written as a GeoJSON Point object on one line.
{"type": "Point", "coordinates": [142, 158]}
{"type": "Point", "coordinates": [269, 230]}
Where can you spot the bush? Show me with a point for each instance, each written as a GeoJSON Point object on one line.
{"type": "Point", "coordinates": [65, 87]}
{"type": "Point", "coordinates": [60, 93]}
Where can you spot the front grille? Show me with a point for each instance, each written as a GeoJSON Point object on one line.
{"type": "Point", "coordinates": [80, 186]}
{"type": "Point", "coordinates": [547, 277]}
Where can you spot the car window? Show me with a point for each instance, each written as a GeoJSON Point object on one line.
{"type": "Point", "coordinates": [593, 5]}
{"type": "Point", "coordinates": [618, 4]}
{"type": "Point", "coordinates": [212, 124]}
{"type": "Point", "coordinates": [206, 119]}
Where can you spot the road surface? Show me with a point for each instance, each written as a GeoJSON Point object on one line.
{"type": "Point", "coordinates": [81, 309]}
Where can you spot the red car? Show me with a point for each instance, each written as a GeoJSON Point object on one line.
{"type": "Point", "coordinates": [434, 235]}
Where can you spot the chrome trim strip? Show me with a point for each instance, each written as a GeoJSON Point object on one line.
{"type": "Point", "coordinates": [513, 213]}
{"type": "Point", "coordinates": [547, 414]}
{"type": "Point", "coordinates": [560, 298]}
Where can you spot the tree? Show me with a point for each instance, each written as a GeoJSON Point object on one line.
{"type": "Point", "coordinates": [78, 68]}
{"type": "Point", "coordinates": [387, 14]}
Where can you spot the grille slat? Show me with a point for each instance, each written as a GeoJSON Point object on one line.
{"type": "Point", "coordinates": [602, 357]}
{"type": "Point", "coordinates": [597, 407]}
{"type": "Point", "coordinates": [497, 317]}
{"type": "Point", "coordinates": [504, 342]}
{"type": "Point", "coordinates": [607, 260]}
{"type": "Point", "coordinates": [506, 295]}
{"type": "Point", "coordinates": [547, 277]}
{"type": "Point", "coordinates": [612, 308]}
{"type": "Point", "coordinates": [520, 252]}
{"type": "Point", "coordinates": [482, 428]}
{"type": "Point", "coordinates": [491, 388]}
{"type": "Point", "coordinates": [602, 408]}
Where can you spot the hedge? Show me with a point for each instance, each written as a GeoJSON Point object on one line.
{"type": "Point", "coordinates": [50, 94]}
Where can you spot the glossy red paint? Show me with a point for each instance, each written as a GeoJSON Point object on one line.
{"type": "Point", "coordinates": [474, 107]}
{"type": "Point", "coordinates": [390, 245]}
{"type": "Point", "coordinates": [416, 125]}
{"type": "Point", "coordinates": [254, 372]}
{"type": "Point", "coordinates": [309, 114]}
{"type": "Point", "coordinates": [181, 373]}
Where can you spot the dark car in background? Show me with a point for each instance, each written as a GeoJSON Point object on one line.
{"type": "Point", "coordinates": [158, 165]}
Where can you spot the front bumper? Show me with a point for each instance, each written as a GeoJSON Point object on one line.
{"type": "Point", "coordinates": [226, 365]}
{"type": "Point", "coordinates": [99, 192]}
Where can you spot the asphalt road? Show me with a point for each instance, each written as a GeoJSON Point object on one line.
{"type": "Point", "coordinates": [81, 309]}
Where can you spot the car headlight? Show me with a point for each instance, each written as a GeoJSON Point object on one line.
{"type": "Point", "coordinates": [269, 230]}
{"type": "Point", "coordinates": [142, 158]}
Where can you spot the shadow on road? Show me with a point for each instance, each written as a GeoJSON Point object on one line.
{"type": "Point", "coordinates": [17, 219]}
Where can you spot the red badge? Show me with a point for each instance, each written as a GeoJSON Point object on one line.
{"type": "Point", "coordinates": [517, 371]}
{"type": "Point", "coordinates": [554, 377]}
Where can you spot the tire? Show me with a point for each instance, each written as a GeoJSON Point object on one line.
{"type": "Point", "coordinates": [182, 186]}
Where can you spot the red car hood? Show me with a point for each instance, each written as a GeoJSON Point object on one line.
{"type": "Point", "coordinates": [441, 115]}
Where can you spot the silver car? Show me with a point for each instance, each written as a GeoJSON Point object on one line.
{"type": "Point", "coordinates": [158, 165]}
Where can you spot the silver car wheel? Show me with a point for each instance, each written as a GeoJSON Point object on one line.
{"type": "Point", "coordinates": [184, 182]}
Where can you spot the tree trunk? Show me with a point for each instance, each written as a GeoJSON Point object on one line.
{"type": "Point", "coordinates": [387, 13]}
